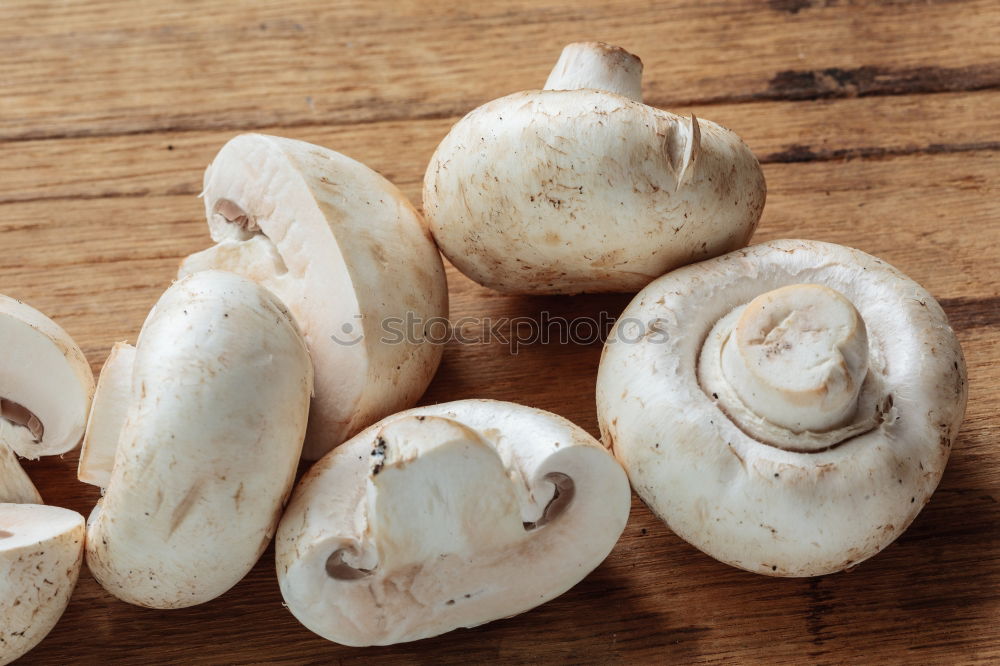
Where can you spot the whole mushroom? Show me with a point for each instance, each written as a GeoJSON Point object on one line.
{"type": "Point", "coordinates": [788, 408]}
{"type": "Point", "coordinates": [46, 387]}
{"type": "Point", "coordinates": [204, 431]}
{"type": "Point", "coordinates": [444, 517]}
{"type": "Point", "coordinates": [41, 550]}
{"type": "Point", "coordinates": [581, 187]}
{"type": "Point", "coordinates": [352, 260]}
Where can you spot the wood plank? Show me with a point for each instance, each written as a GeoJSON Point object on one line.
{"type": "Point", "coordinates": [172, 163]}
{"type": "Point", "coordinates": [99, 68]}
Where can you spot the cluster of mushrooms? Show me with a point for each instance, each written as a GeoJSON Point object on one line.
{"type": "Point", "coordinates": [787, 408]}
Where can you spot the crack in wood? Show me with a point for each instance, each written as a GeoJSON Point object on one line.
{"type": "Point", "coordinates": [787, 85]}
{"type": "Point", "coordinates": [797, 153]}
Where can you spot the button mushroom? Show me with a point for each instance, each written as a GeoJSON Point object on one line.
{"type": "Point", "coordinates": [41, 549]}
{"type": "Point", "coordinates": [788, 408]}
{"type": "Point", "coordinates": [444, 517]}
{"type": "Point", "coordinates": [349, 256]}
{"type": "Point", "coordinates": [581, 187]}
{"type": "Point", "coordinates": [45, 391]}
{"type": "Point", "coordinates": [205, 448]}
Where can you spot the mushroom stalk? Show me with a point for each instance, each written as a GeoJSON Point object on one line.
{"type": "Point", "coordinates": [597, 66]}
{"type": "Point", "coordinates": [797, 357]}
{"type": "Point", "coordinates": [15, 486]}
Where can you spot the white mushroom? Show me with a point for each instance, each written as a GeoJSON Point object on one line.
{"type": "Point", "coordinates": [349, 256]}
{"type": "Point", "coordinates": [206, 449]}
{"type": "Point", "coordinates": [788, 408]}
{"type": "Point", "coordinates": [582, 188]}
{"type": "Point", "coordinates": [41, 549]}
{"type": "Point", "coordinates": [45, 391]}
{"type": "Point", "coordinates": [444, 517]}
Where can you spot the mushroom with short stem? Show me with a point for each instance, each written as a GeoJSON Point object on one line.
{"type": "Point", "coordinates": [581, 187]}
{"type": "Point", "coordinates": [352, 260]}
{"type": "Point", "coordinates": [41, 550]}
{"type": "Point", "coordinates": [447, 516]}
{"type": "Point", "coordinates": [203, 424]}
{"type": "Point", "coordinates": [45, 390]}
{"type": "Point", "coordinates": [788, 408]}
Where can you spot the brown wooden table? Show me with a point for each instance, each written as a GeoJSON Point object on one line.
{"type": "Point", "coordinates": [878, 127]}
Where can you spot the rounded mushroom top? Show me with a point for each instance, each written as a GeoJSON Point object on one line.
{"type": "Point", "coordinates": [45, 383]}
{"type": "Point", "coordinates": [787, 408]}
{"type": "Point", "coordinates": [418, 524]}
{"type": "Point", "coordinates": [347, 253]}
{"type": "Point", "coordinates": [206, 448]}
{"type": "Point", "coordinates": [582, 188]}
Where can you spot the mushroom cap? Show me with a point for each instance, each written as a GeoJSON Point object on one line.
{"type": "Point", "coordinates": [208, 451]}
{"type": "Point", "coordinates": [41, 549]}
{"type": "Point", "coordinates": [347, 253]}
{"type": "Point", "coordinates": [806, 503]}
{"type": "Point", "coordinates": [418, 525]}
{"type": "Point", "coordinates": [567, 191]}
{"type": "Point", "coordinates": [45, 376]}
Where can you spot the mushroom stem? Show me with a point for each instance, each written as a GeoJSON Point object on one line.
{"type": "Point", "coordinates": [798, 356]}
{"type": "Point", "coordinates": [15, 486]}
{"type": "Point", "coordinates": [597, 66]}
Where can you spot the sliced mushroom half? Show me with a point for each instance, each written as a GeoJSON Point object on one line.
{"type": "Point", "coordinates": [45, 390]}
{"type": "Point", "coordinates": [581, 187]}
{"type": "Point", "coordinates": [41, 550]}
{"type": "Point", "coordinates": [349, 256]}
{"type": "Point", "coordinates": [788, 408]}
{"type": "Point", "coordinates": [196, 435]}
{"type": "Point", "coordinates": [444, 517]}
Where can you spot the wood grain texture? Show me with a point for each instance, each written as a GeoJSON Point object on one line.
{"type": "Point", "coordinates": [877, 126]}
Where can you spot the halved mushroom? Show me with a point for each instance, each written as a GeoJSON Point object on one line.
{"type": "Point", "coordinates": [581, 187]}
{"type": "Point", "coordinates": [45, 391]}
{"type": "Point", "coordinates": [788, 408]}
{"type": "Point", "coordinates": [205, 446]}
{"type": "Point", "coordinates": [444, 517]}
{"type": "Point", "coordinates": [349, 256]}
{"type": "Point", "coordinates": [41, 549]}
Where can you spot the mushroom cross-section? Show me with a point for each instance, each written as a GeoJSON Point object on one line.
{"type": "Point", "coordinates": [788, 408]}
{"type": "Point", "coordinates": [352, 260]}
{"type": "Point", "coordinates": [202, 424]}
{"type": "Point", "coordinates": [45, 390]}
{"type": "Point", "coordinates": [444, 517]}
{"type": "Point", "coordinates": [581, 187]}
{"type": "Point", "coordinates": [41, 550]}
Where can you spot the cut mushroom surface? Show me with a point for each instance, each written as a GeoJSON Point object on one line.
{"type": "Point", "coordinates": [46, 387]}
{"type": "Point", "coordinates": [107, 417]}
{"type": "Point", "coordinates": [447, 516]}
{"type": "Point", "coordinates": [788, 408]}
{"type": "Point", "coordinates": [205, 453]}
{"type": "Point", "coordinates": [41, 550]}
{"type": "Point", "coordinates": [350, 257]}
{"type": "Point", "coordinates": [581, 187]}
